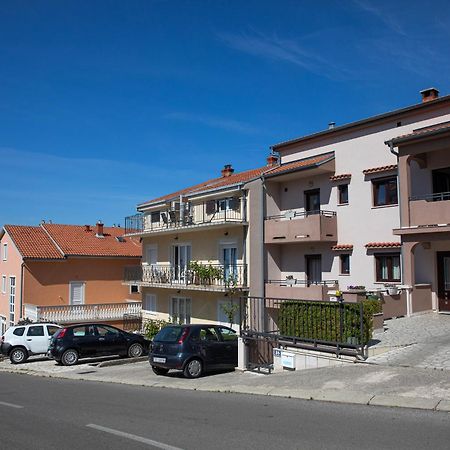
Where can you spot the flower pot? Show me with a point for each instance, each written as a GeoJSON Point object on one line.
{"type": "Point", "coordinates": [393, 290]}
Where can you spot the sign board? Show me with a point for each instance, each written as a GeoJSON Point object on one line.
{"type": "Point", "coordinates": [288, 360]}
{"type": "Point", "coordinates": [277, 353]}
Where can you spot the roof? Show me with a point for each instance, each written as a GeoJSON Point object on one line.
{"type": "Point", "coordinates": [342, 247]}
{"type": "Point", "coordinates": [380, 169]}
{"type": "Point", "coordinates": [301, 164]}
{"type": "Point", "coordinates": [215, 183]}
{"type": "Point", "coordinates": [343, 176]}
{"type": "Point", "coordinates": [337, 129]}
{"type": "Point", "coordinates": [422, 133]}
{"type": "Point", "coordinates": [383, 245]}
{"type": "Point", "coordinates": [52, 241]}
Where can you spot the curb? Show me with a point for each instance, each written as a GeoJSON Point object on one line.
{"type": "Point", "coordinates": [121, 362]}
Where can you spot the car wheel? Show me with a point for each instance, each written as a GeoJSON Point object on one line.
{"type": "Point", "coordinates": [193, 369]}
{"type": "Point", "coordinates": [160, 370]}
{"type": "Point", "coordinates": [135, 351]}
{"type": "Point", "coordinates": [69, 357]}
{"type": "Point", "coordinates": [18, 355]}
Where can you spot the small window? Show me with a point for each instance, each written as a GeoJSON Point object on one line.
{"type": "Point", "coordinates": [155, 216]}
{"type": "Point", "coordinates": [345, 264]}
{"type": "Point", "coordinates": [223, 204]}
{"type": "Point", "coordinates": [385, 192]}
{"type": "Point", "coordinates": [227, 334]}
{"type": "Point", "coordinates": [387, 267]}
{"type": "Point", "coordinates": [51, 330]}
{"type": "Point", "coordinates": [5, 252]}
{"type": "Point", "coordinates": [19, 331]}
{"type": "Point", "coordinates": [4, 284]}
{"type": "Point", "coordinates": [104, 330]}
{"type": "Point", "coordinates": [208, 334]}
{"type": "Point", "coordinates": [343, 194]}
{"type": "Point", "coordinates": [36, 331]}
{"type": "Point", "coordinates": [134, 289]}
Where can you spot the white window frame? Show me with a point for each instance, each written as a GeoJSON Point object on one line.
{"type": "Point", "coordinates": [153, 303]}
{"type": "Point", "coordinates": [5, 252]}
{"type": "Point", "coordinates": [138, 289]}
{"type": "Point", "coordinates": [187, 305]}
{"type": "Point", "coordinates": [3, 284]}
{"type": "Point", "coordinates": [147, 248]}
{"type": "Point", "coordinates": [83, 290]}
{"type": "Point", "coordinates": [12, 300]}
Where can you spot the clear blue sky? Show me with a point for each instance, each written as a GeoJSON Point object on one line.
{"type": "Point", "coordinates": [105, 104]}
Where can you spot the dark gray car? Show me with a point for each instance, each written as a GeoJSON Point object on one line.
{"type": "Point", "coordinates": [194, 349]}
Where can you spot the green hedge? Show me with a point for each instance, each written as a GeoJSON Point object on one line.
{"type": "Point", "coordinates": [321, 320]}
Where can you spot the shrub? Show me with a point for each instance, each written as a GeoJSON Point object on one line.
{"type": "Point", "coordinates": [152, 327]}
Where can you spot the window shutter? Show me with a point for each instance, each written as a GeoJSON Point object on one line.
{"type": "Point", "coordinates": [234, 204]}
{"type": "Point", "coordinates": [210, 207]}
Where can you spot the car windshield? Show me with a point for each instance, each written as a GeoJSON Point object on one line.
{"type": "Point", "coordinates": [169, 334]}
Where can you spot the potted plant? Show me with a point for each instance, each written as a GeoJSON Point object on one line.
{"type": "Point", "coordinates": [290, 280]}
{"type": "Point", "coordinates": [392, 289]}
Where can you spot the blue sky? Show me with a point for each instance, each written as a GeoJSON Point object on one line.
{"type": "Point", "coordinates": [106, 104]}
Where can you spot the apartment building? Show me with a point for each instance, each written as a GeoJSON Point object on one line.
{"type": "Point", "coordinates": [196, 248]}
{"type": "Point", "coordinates": [332, 205]}
{"type": "Point", "coordinates": [424, 229]}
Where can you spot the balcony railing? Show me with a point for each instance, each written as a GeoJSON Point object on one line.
{"type": "Point", "coordinates": [214, 276]}
{"type": "Point", "coordinates": [300, 289]}
{"type": "Point", "coordinates": [439, 197]}
{"type": "Point", "coordinates": [303, 283]}
{"type": "Point", "coordinates": [211, 212]}
{"type": "Point", "coordinates": [428, 210]}
{"type": "Point", "coordinates": [83, 313]}
{"type": "Point", "coordinates": [305, 226]}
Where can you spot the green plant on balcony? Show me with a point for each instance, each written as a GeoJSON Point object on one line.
{"type": "Point", "coordinates": [205, 274]}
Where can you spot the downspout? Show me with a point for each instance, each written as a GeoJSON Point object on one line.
{"type": "Point", "coordinates": [21, 288]}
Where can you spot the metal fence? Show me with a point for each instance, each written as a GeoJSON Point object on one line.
{"type": "Point", "coordinates": [334, 327]}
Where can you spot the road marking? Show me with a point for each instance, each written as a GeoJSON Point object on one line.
{"type": "Point", "coordinates": [11, 405]}
{"type": "Point", "coordinates": [133, 437]}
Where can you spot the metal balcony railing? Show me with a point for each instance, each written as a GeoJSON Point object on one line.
{"type": "Point", "coordinates": [302, 283]}
{"type": "Point", "coordinates": [205, 275]}
{"type": "Point", "coordinates": [298, 214]}
{"type": "Point", "coordinates": [86, 313]}
{"type": "Point", "coordinates": [230, 210]}
{"type": "Point", "coordinates": [441, 196]}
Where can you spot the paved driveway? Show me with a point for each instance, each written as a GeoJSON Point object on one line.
{"type": "Point", "coordinates": [421, 341]}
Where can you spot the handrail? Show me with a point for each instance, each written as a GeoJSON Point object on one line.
{"type": "Point", "coordinates": [293, 214]}
{"type": "Point", "coordinates": [432, 197]}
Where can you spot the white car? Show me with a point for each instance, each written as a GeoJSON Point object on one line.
{"type": "Point", "coordinates": [21, 341]}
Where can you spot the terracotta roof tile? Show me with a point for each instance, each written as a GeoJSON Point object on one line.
{"type": "Point", "coordinates": [383, 245]}
{"type": "Point", "coordinates": [423, 131]}
{"type": "Point", "coordinates": [340, 247]}
{"type": "Point", "coordinates": [75, 240]}
{"type": "Point", "coordinates": [380, 169]}
{"type": "Point", "coordinates": [33, 242]}
{"type": "Point", "coordinates": [51, 241]}
{"type": "Point", "coordinates": [301, 164]}
{"type": "Point", "coordinates": [343, 176]}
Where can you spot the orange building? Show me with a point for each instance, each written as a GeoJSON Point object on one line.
{"type": "Point", "coordinates": [66, 273]}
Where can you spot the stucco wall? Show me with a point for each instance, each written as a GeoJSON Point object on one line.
{"type": "Point", "coordinates": [8, 268]}
{"type": "Point", "coordinates": [47, 283]}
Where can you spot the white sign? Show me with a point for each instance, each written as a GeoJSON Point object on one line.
{"type": "Point", "coordinates": [288, 360]}
{"type": "Point", "coordinates": [277, 353]}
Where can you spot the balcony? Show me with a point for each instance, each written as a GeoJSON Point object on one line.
{"type": "Point", "coordinates": [229, 211]}
{"type": "Point", "coordinates": [292, 227]}
{"type": "Point", "coordinates": [207, 277]}
{"type": "Point", "coordinates": [82, 313]}
{"type": "Point", "coordinates": [300, 289]}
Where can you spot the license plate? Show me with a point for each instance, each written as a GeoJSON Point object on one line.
{"type": "Point", "coordinates": [159, 360]}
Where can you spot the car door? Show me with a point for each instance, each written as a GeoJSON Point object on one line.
{"type": "Point", "coordinates": [37, 339]}
{"type": "Point", "coordinates": [85, 340]}
{"type": "Point", "coordinates": [212, 348]}
{"type": "Point", "coordinates": [111, 341]}
{"type": "Point", "coordinates": [230, 343]}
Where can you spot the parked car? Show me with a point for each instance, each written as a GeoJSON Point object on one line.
{"type": "Point", "coordinates": [21, 341]}
{"type": "Point", "coordinates": [194, 349]}
{"type": "Point", "coordinates": [71, 343]}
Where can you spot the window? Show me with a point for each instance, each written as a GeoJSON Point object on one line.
{"type": "Point", "coordinates": [343, 194]}
{"type": "Point", "coordinates": [12, 299]}
{"type": "Point", "coordinates": [387, 267]}
{"type": "Point", "coordinates": [181, 310]}
{"type": "Point", "coordinates": [385, 191]}
{"type": "Point", "coordinates": [5, 252]}
{"type": "Point", "coordinates": [227, 204]}
{"type": "Point", "coordinates": [155, 216]}
{"type": "Point", "coordinates": [134, 289]}
{"type": "Point", "coordinates": [80, 331]}
{"type": "Point", "coordinates": [104, 330]}
{"type": "Point", "coordinates": [149, 303]}
{"type": "Point", "coordinates": [227, 334]}
{"type": "Point", "coordinates": [37, 330]}
{"type": "Point", "coordinates": [4, 284]}
{"type": "Point", "coordinates": [345, 264]}
{"type": "Point", "coordinates": [208, 334]}
{"type": "Point", "coordinates": [51, 330]}
{"type": "Point", "coordinates": [19, 331]}
{"type": "Point", "coordinates": [151, 254]}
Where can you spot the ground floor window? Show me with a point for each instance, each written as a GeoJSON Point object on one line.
{"type": "Point", "coordinates": [149, 303]}
{"type": "Point", "coordinates": [12, 299]}
{"type": "Point", "coordinates": [181, 310]}
{"type": "Point", "coordinates": [344, 264]}
{"type": "Point", "coordinates": [387, 266]}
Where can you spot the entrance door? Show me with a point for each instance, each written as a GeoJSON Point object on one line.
{"type": "Point", "coordinates": [312, 201]}
{"type": "Point", "coordinates": [76, 293]}
{"type": "Point", "coordinates": [181, 260]}
{"type": "Point", "coordinates": [313, 269]}
{"type": "Point", "coordinates": [443, 268]}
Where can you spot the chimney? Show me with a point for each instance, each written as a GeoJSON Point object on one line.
{"type": "Point", "coordinates": [429, 94]}
{"type": "Point", "coordinates": [272, 160]}
{"type": "Point", "coordinates": [99, 232]}
{"type": "Point", "coordinates": [227, 170]}
{"type": "Point", "coordinates": [87, 228]}
{"type": "Point", "coordinates": [331, 125]}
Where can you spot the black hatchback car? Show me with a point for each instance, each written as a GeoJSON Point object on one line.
{"type": "Point", "coordinates": [70, 343]}
{"type": "Point", "coordinates": [194, 349]}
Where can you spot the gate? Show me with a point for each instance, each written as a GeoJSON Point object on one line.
{"type": "Point", "coordinates": [260, 352]}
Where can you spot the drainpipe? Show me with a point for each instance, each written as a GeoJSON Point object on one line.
{"type": "Point", "coordinates": [21, 289]}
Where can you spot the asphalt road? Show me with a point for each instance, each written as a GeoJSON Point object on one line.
{"type": "Point", "coordinates": [42, 413]}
